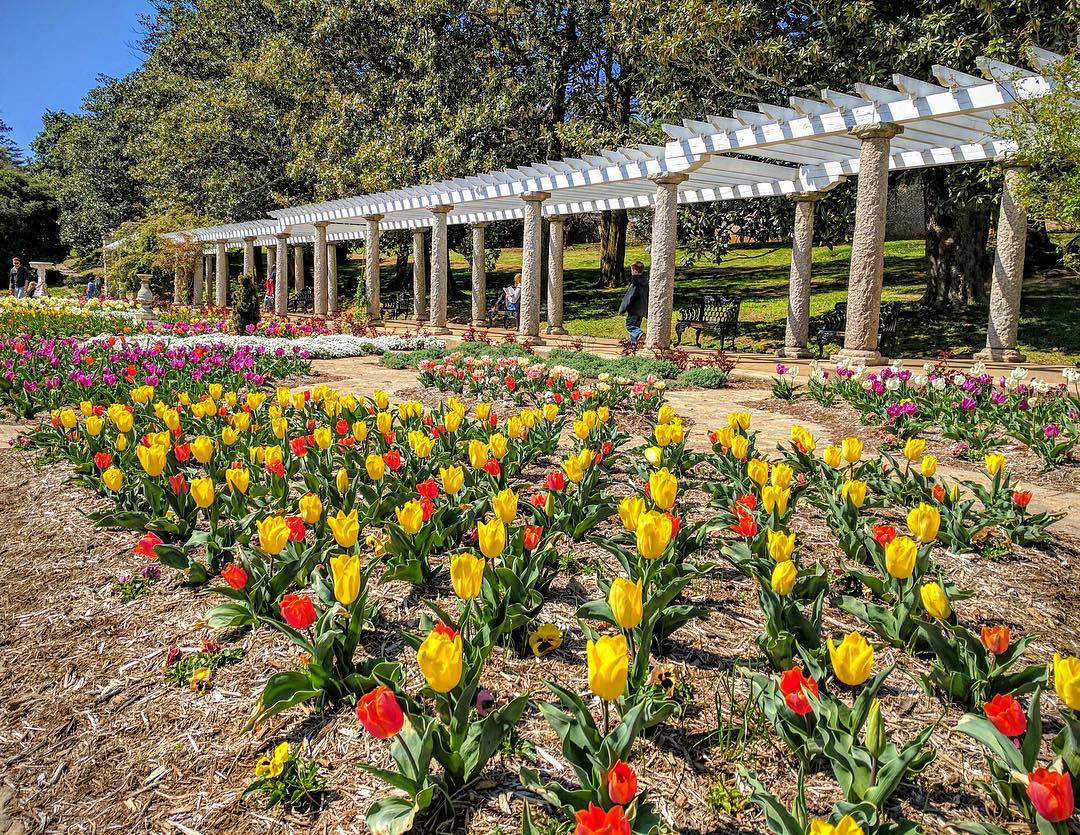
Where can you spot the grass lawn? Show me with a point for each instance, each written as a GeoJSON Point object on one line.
{"type": "Point", "coordinates": [1050, 311]}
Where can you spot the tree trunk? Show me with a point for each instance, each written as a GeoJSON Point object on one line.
{"type": "Point", "coordinates": [612, 247]}
{"type": "Point", "coordinates": [1040, 253]}
{"type": "Point", "coordinates": [958, 261]}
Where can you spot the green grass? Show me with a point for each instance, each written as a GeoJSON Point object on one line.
{"type": "Point", "coordinates": [1049, 325]}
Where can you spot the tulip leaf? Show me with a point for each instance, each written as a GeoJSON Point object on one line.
{"type": "Point", "coordinates": [391, 816]}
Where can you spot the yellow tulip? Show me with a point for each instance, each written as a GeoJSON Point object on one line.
{"type": "Point", "coordinates": [603, 414]}
{"type": "Point", "coordinates": [229, 436]}
{"type": "Point", "coordinates": [311, 508]}
{"type": "Point", "coordinates": [995, 463]}
{"type": "Point", "coordinates": [775, 497]}
{"type": "Point", "coordinates": [380, 398]}
{"type": "Point", "coordinates": [573, 469]}
{"type": "Point", "coordinates": [662, 434]}
{"type": "Point", "coordinates": [230, 399]}
{"type": "Point", "coordinates": [515, 428]}
{"type": "Point", "coordinates": [740, 447]}
{"type": "Point", "coordinates": [466, 575]}
{"type": "Point", "coordinates": [94, 425]}
{"type": "Point", "coordinates": [202, 491]}
{"type": "Point", "coordinates": [498, 444]}
{"type": "Point", "coordinates": [846, 826]}
{"type": "Point", "coordinates": [478, 454]}
{"type": "Point", "coordinates": [677, 431]}
{"type": "Point", "coordinates": [900, 555]}
{"type": "Point", "coordinates": [203, 449]}
{"type": "Point", "coordinates": [375, 466]}
{"type": "Point", "coordinates": [483, 410]}
{"type": "Point", "coordinates": [609, 664]}
{"type": "Point", "coordinates": [215, 390]}
{"type": "Point", "coordinates": [551, 411]}
{"type": "Point", "coordinates": [630, 510]}
{"type": "Point", "coordinates": [283, 395]}
{"type": "Point", "coordinates": [360, 431]}
{"type": "Point", "coordinates": [782, 475]}
{"type": "Point", "coordinates": [238, 478]}
{"type": "Point", "coordinates": [758, 471]}
{"type": "Point", "coordinates": [663, 487]}
{"type": "Point", "coordinates": [420, 444]}
{"type": "Point", "coordinates": [452, 420]}
{"type": "Point", "coordinates": [384, 421]}
{"type": "Point", "coordinates": [739, 420]}
{"type": "Point", "coordinates": [665, 414]}
{"type": "Point", "coordinates": [341, 481]}
{"type": "Point", "coordinates": [453, 478]}
{"type": "Point", "coordinates": [853, 660]}
{"type": "Point", "coordinates": [505, 505]}
{"type": "Point", "coordinates": [241, 421]}
{"type": "Point", "coordinates": [272, 455]}
{"type": "Point", "coordinates": [87, 408]}
{"type": "Point", "coordinates": [255, 399]}
{"type": "Point", "coordinates": [439, 658]}
{"type": "Point", "coordinates": [121, 443]}
{"type": "Point", "coordinates": [653, 534]}
{"type": "Point", "coordinates": [781, 545]}
{"type": "Point", "coordinates": [492, 537]}
{"type": "Point", "coordinates": [924, 522]}
{"type": "Point", "coordinates": [854, 491]}
{"type": "Point", "coordinates": [299, 402]}
{"type": "Point", "coordinates": [280, 427]}
{"type": "Point", "coordinates": [653, 455]}
{"type": "Point", "coordinates": [935, 601]}
{"type": "Point", "coordinates": [273, 534]}
{"type": "Point", "coordinates": [345, 527]}
{"type": "Point", "coordinates": [152, 459]}
{"type": "Point", "coordinates": [624, 598]}
{"type": "Point", "coordinates": [324, 437]}
{"type": "Point", "coordinates": [914, 448]}
{"type": "Point", "coordinates": [410, 516]}
{"type": "Point", "coordinates": [851, 449]}
{"type": "Point", "coordinates": [581, 430]}
{"type": "Point", "coordinates": [113, 478]}
{"type": "Point", "coordinates": [831, 456]}
{"type": "Point", "coordinates": [784, 575]}
{"type": "Point", "coordinates": [1067, 680]}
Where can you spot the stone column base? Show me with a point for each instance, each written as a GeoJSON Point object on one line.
{"type": "Point", "coordinates": [535, 340]}
{"type": "Point", "coordinates": [867, 357]}
{"type": "Point", "coordinates": [478, 323]}
{"type": "Point", "coordinates": [556, 331]}
{"type": "Point", "coordinates": [439, 331]}
{"type": "Point", "coordinates": [989, 354]}
{"type": "Point", "coordinates": [794, 352]}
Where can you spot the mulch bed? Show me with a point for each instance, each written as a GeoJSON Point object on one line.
{"type": "Point", "coordinates": [92, 739]}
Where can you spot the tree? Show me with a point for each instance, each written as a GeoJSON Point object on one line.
{"type": "Point", "coordinates": [11, 157]}
{"type": "Point", "coordinates": [28, 219]}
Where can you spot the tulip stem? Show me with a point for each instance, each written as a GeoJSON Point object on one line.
{"type": "Point", "coordinates": [607, 716]}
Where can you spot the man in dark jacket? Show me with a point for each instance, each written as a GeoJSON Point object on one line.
{"type": "Point", "coordinates": [18, 276]}
{"type": "Point", "coordinates": [635, 303]}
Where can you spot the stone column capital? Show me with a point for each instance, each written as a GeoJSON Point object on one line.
{"type": "Point", "coordinates": [373, 218]}
{"type": "Point", "coordinates": [806, 196]}
{"type": "Point", "coordinates": [1010, 162]}
{"type": "Point", "coordinates": [321, 224]}
{"type": "Point", "coordinates": [441, 210]}
{"type": "Point", "coordinates": [250, 239]}
{"type": "Point", "coordinates": [536, 196]}
{"type": "Point", "coordinates": [283, 237]}
{"type": "Point", "coordinates": [484, 224]}
{"type": "Point", "coordinates": [556, 219]}
{"type": "Point", "coordinates": [669, 178]}
{"type": "Point", "coordinates": [876, 130]}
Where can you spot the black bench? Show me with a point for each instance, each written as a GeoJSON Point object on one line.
{"type": "Point", "coordinates": [834, 324]}
{"type": "Point", "coordinates": [718, 315]}
{"type": "Point", "coordinates": [508, 318]}
{"type": "Point", "coordinates": [396, 305]}
{"type": "Point", "coordinates": [302, 301]}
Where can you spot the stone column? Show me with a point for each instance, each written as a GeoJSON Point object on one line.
{"type": "Point", "coordinates": [221, 264]}
{"type": "Point", "coordinates": [208, 280]}
{"type": "Point", "coordinates": [371, 269]}
{"type": "Point", "coordinates": [868, 243]}
{"type": "Point", "coordinates": [556, 243]}
{"type": "Point", "coordinates": [662, 267]}
{"type": "Point", "coordinates": [802, 254]}
{"type": "Point", "coordinates": [529, 311]}
{"type": "Point", "coordinates": [197, 279]}
{"type": "Point", "coordinates": [1008, 276]}
{"type": "Point", "coordinates": [419, 276]}
{"type": "Point", "coordinates": [281, 285]}
{"type": "Point", "coordinates": [298, 267]}
{"type": "Point", "coordinates": [249, 256]}
{"type": "Point", "coordinates": [479, 276]}
{"type": "Point", "coordinates": [271, 258]}
{"type": "Point", "coordinates": [331, 278]}
{"type": "Point", "coordinates": [319, 281]}
{"type": "Point", "coordinates": [178, 278]}
{"type": "Point", "coordinates": [440, 270]}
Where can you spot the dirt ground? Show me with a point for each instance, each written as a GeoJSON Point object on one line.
{"type": "Point", "coordinates": [93, 740]}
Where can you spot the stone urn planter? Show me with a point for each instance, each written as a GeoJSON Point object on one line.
{"type": "Point", "coordinates": [144, 297]}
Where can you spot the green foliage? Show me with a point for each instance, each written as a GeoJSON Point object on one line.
{"type": "Point", "coordinates": [144, 249]}
{"type": "Point", "coordinates": [399, 360]}
{"type": "Point", "coordinates": [297, 786]}
{"type": "Point", "coordinates": [28, 219]}
{"type": "Point", "coordinates": [180, 672]}
{"type": "Point", "coordinates": [483, 349]}
{"type": "Point", "coordinates": [134, 588]}
{"type": "Point", "coordinates": [725, 798]}
{"type": "Point", "coordinates": [593, 366]}
{"type": "Point", "coordinates": [247, 304]}
{"type": "Point", "coordinates": [704, 378]}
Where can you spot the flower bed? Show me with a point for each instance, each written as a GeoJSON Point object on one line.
{"type": "Point", "coordinates": [293, 506]}
{"type": "Point", "coordinates": [186, 320]}
{"type": "Point", "coordinates": [307, 347]}
{"type": "Point", "coordinates": [60, 316]}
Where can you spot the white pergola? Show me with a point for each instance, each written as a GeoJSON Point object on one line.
{"type": "Point", "coordinates": [801, 151]}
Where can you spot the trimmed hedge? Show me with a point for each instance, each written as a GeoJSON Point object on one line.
{"type": "Point", "coordinates": [591, 365]}
{"type": "Point", "coordinates": [704, 378]}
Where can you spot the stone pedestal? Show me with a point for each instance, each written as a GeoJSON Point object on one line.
{"type": "Point", "coordinates": [40, 268]}
{"type": "Point", "coordinates": [802, 249]}
{"type": "Point", "coordinates": [281, 282]}
{"type": "Point", "coordinates": [319, 281]}
{"type": "Point", "coordinates": [479, 276]}
{"type": "Point", "coordinates": [331, 278]}
{"type": "Point", "coordinates": [556, 242]}
{"type": "Point", "coordinates": [221, 266]}
{"type": "Point", "coordinates": [371, 270]}
{"type": "Point", "coordinates": [662, 268]}
{"type": "Point", "coordinates": [440, 270]}
{"type": "Point", "coordinates": [868, 244]}
{"type": "Point", "coordinates": [145, 298]}
{"type": "Point", "coordinates": [1008, 277]}
{"type": "Point", "coordinates": [419, 276]}
{"type": "Point", "coordinates": [529, 312]}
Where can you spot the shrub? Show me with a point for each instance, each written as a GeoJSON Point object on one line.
{"type": "Point", "coordinates": [399, 360]}
{"type": "Point", "coordinates": [705, 378]}
{"type": "Point", "coordinates": [248, 305]}
{"type": "Point", "coordinates": [591, 365]}
{"type": "Point", "coordinates": [483, 349]}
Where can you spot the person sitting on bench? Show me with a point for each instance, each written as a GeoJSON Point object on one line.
{"type": "Point", "coordinates": [509, 300]}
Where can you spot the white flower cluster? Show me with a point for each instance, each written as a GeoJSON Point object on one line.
{"type": "Point", "coordinates": [325, 347]}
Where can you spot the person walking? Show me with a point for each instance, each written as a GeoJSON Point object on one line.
{"type": "Point", "coordinates": [635, 302]}
{"type": "Point", "coordinates": [268, 297]}
{"type": "Point", "coordinates": [18, 278]}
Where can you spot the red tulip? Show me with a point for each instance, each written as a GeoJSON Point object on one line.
{"type": "Point", "coordinates": [428, 489]}
{"type": "Point", "coordinates": [555, 482]}
{"type": "Point", "coordinates": [884, 534]}
{"type": "Point", "coordinates": [341, 427]}
{"type": "Point", "coordinates": [427, 507]}
{"type": "Point", "coordinates": [182, 452]}
{"type": "Point", "coordinates": [1007, 715]}
{"type": "Point", "coordinates": [297, 531]}
{"type": "Point", "coordinates": [102, 460]}
{"type": "Point", "coordinates": [234, 575]}
{"type": "Point", "coordinates": [492, 467]}
{"type": "Point", "coordinates": [938, 493]}
{"type": "Point", "coordinates": [145, 546]}
{"type": "Point", "coordinates": [747, 500]}
{"type": "Point", "coordinates": [676, 521]}
{"type": "Point", "coordinates": [392, 459]}
{"type": "Point", "coordinates": [1021, 498]}
{"type": "Point", "coordinates": [298, 611]}
{"type": "Point", "coordinates": [379, 712]}
{"type": "Point", "coordinates": [595, 821]}
{"type": "Point", "coordinates": [1050, 792]}
{"type": "Point", "coordinates": [178, 483]}
{"type": "Point", "coordinates": [533, 534]}
{"type": "Point", "coordinates": [276, 468]}
{"type": "Point", "coordinates": [746, 526]}
{"type": "Point", "coordinates": [443, 629]}
{"type": "Point", "coordinates": [996, 639]}
{"type": "Point", "coordinates": [621, 783]}
{"type": "Point", "coordinates": [538, 500]}
{"type": "Point", "coordinates": [794, 685]}
{"type": "Point", "coordinates": [298, 447]}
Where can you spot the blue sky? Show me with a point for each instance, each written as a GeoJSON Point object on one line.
{"type": "Point", "coordinates": [54, 52]}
